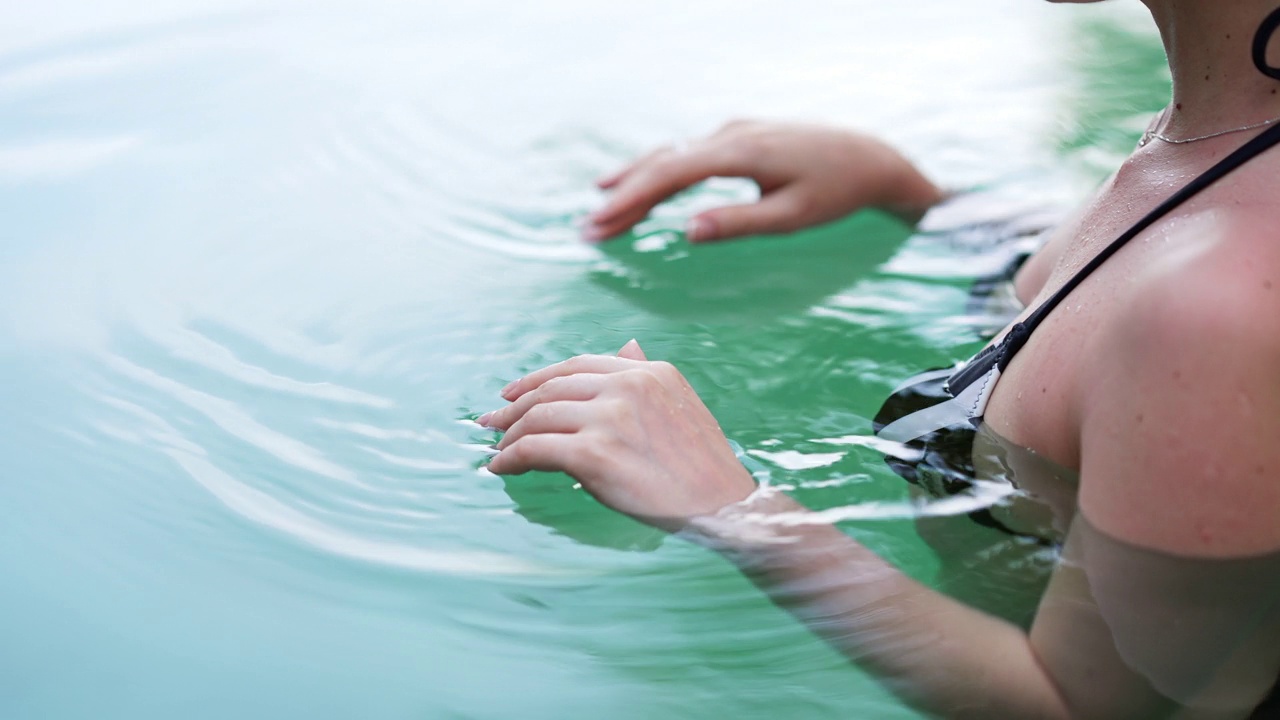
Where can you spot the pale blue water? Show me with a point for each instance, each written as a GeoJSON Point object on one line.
{"type": "Point", "coordinates": [259, 263]}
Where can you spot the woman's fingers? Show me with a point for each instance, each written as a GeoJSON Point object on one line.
{"type": "Point", "coordinates": [609, 181]}
{"type": "Point", "coordinates": [595, 231]}
{"type": "Point", "coordinates": [558, 394]}
{"type": "Point", "coordinates": [547, 452]}
{"type": "Point", "coordinates": [779, 212]}
{"type": "Point", "coordinates": [582, 364]}
{"type": "Point", "coordinates": [604, 182]}
{"type": "Point", "coordinates": [574, 388]}
{"type": "Point", "coordinates": [656, 180]}
{"type": "Point", "coordinates": [554, 401]}
{"type": "Point", "coordinates": [562, 417]}
{"type": "Point", "coordinates": [651, 182]}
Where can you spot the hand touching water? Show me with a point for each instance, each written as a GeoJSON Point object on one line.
{"type": "Point", "coordinates": [807, 175]}
{"type": "Point", "coordinates": [633, 432]}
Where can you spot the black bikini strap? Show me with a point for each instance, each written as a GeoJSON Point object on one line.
{"type": "Point", "coordinates": [1019, 334]}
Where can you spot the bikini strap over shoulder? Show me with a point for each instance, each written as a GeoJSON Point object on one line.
{"type": "Point", "coordinates": [1000, 355]}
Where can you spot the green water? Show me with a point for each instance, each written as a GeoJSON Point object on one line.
{"type": "Point", "coordinates": [262, 263]}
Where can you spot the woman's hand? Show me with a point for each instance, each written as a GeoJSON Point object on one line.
{"type": "Point", "coordinates": [807, 175]}
{"type": "Point", "coordinates": [633, 432]}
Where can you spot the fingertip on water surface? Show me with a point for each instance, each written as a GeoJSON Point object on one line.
{"type": "Point", "coordinates": [699, 229]}
{"type": "Point", "coordinates": [495, 464]}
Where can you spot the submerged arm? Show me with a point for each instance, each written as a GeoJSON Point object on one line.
{"type": "Point", "coordinates": [1123, 632]}
{"type": "Point", "coordinates": [938, 654]}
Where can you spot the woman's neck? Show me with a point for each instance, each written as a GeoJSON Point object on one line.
{"type": "Point", "coordinates": [1215, 84]}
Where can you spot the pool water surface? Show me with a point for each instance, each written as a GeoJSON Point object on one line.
{"type": "Point", "coordinates": [262, 264]}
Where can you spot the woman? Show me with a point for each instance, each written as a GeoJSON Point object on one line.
{"type": "Point", "coordinates": [1160, 388]}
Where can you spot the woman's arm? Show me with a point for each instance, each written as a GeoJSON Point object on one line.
{"type": "Point", "coordinates": [638, 438]}
{"type": "Point", "coordinates": [807, 175]}
{"type": "Point", "coordinates": [1179, 419]}
{"type": "Point", "coordinates": [939, 655]}
{"type": "Point", "coordinates": [1123, 632]}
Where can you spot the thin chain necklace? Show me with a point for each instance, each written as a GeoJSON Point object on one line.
{"type": "Point", "coordinates": [1151, 133]}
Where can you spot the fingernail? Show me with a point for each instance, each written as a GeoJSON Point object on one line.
{"type": "Point", "coordinates": [698, 229]}
{"type": "Point", "coordinates": [592, 233]}
{"type": "Point", "coordinates": [510, 386]}
{"type": "Point", "coordinates": [483, 420]}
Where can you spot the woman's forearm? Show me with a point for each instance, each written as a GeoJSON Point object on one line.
{"type": "Point", "coordinates": [937, 654]}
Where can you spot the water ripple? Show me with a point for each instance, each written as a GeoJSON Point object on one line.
{"type": "Point", "coordinates": [257, 506]}
{"type": "Point", "coordinates": [238, 423]}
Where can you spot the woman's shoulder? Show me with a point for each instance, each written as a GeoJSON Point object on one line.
{"type": "Point", "coordinates": [1179, 429]}
{"type": "Point", "coordinates": [1215, 276]}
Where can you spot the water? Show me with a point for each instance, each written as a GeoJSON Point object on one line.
{"type": "Point", "coordinates": [261, 264]}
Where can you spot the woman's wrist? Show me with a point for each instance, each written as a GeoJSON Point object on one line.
{"type": "Point", "coordinates": [758, 521]}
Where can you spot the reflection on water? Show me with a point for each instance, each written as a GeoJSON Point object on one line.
{"type": "Point", "coordinates": [261, 264]}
